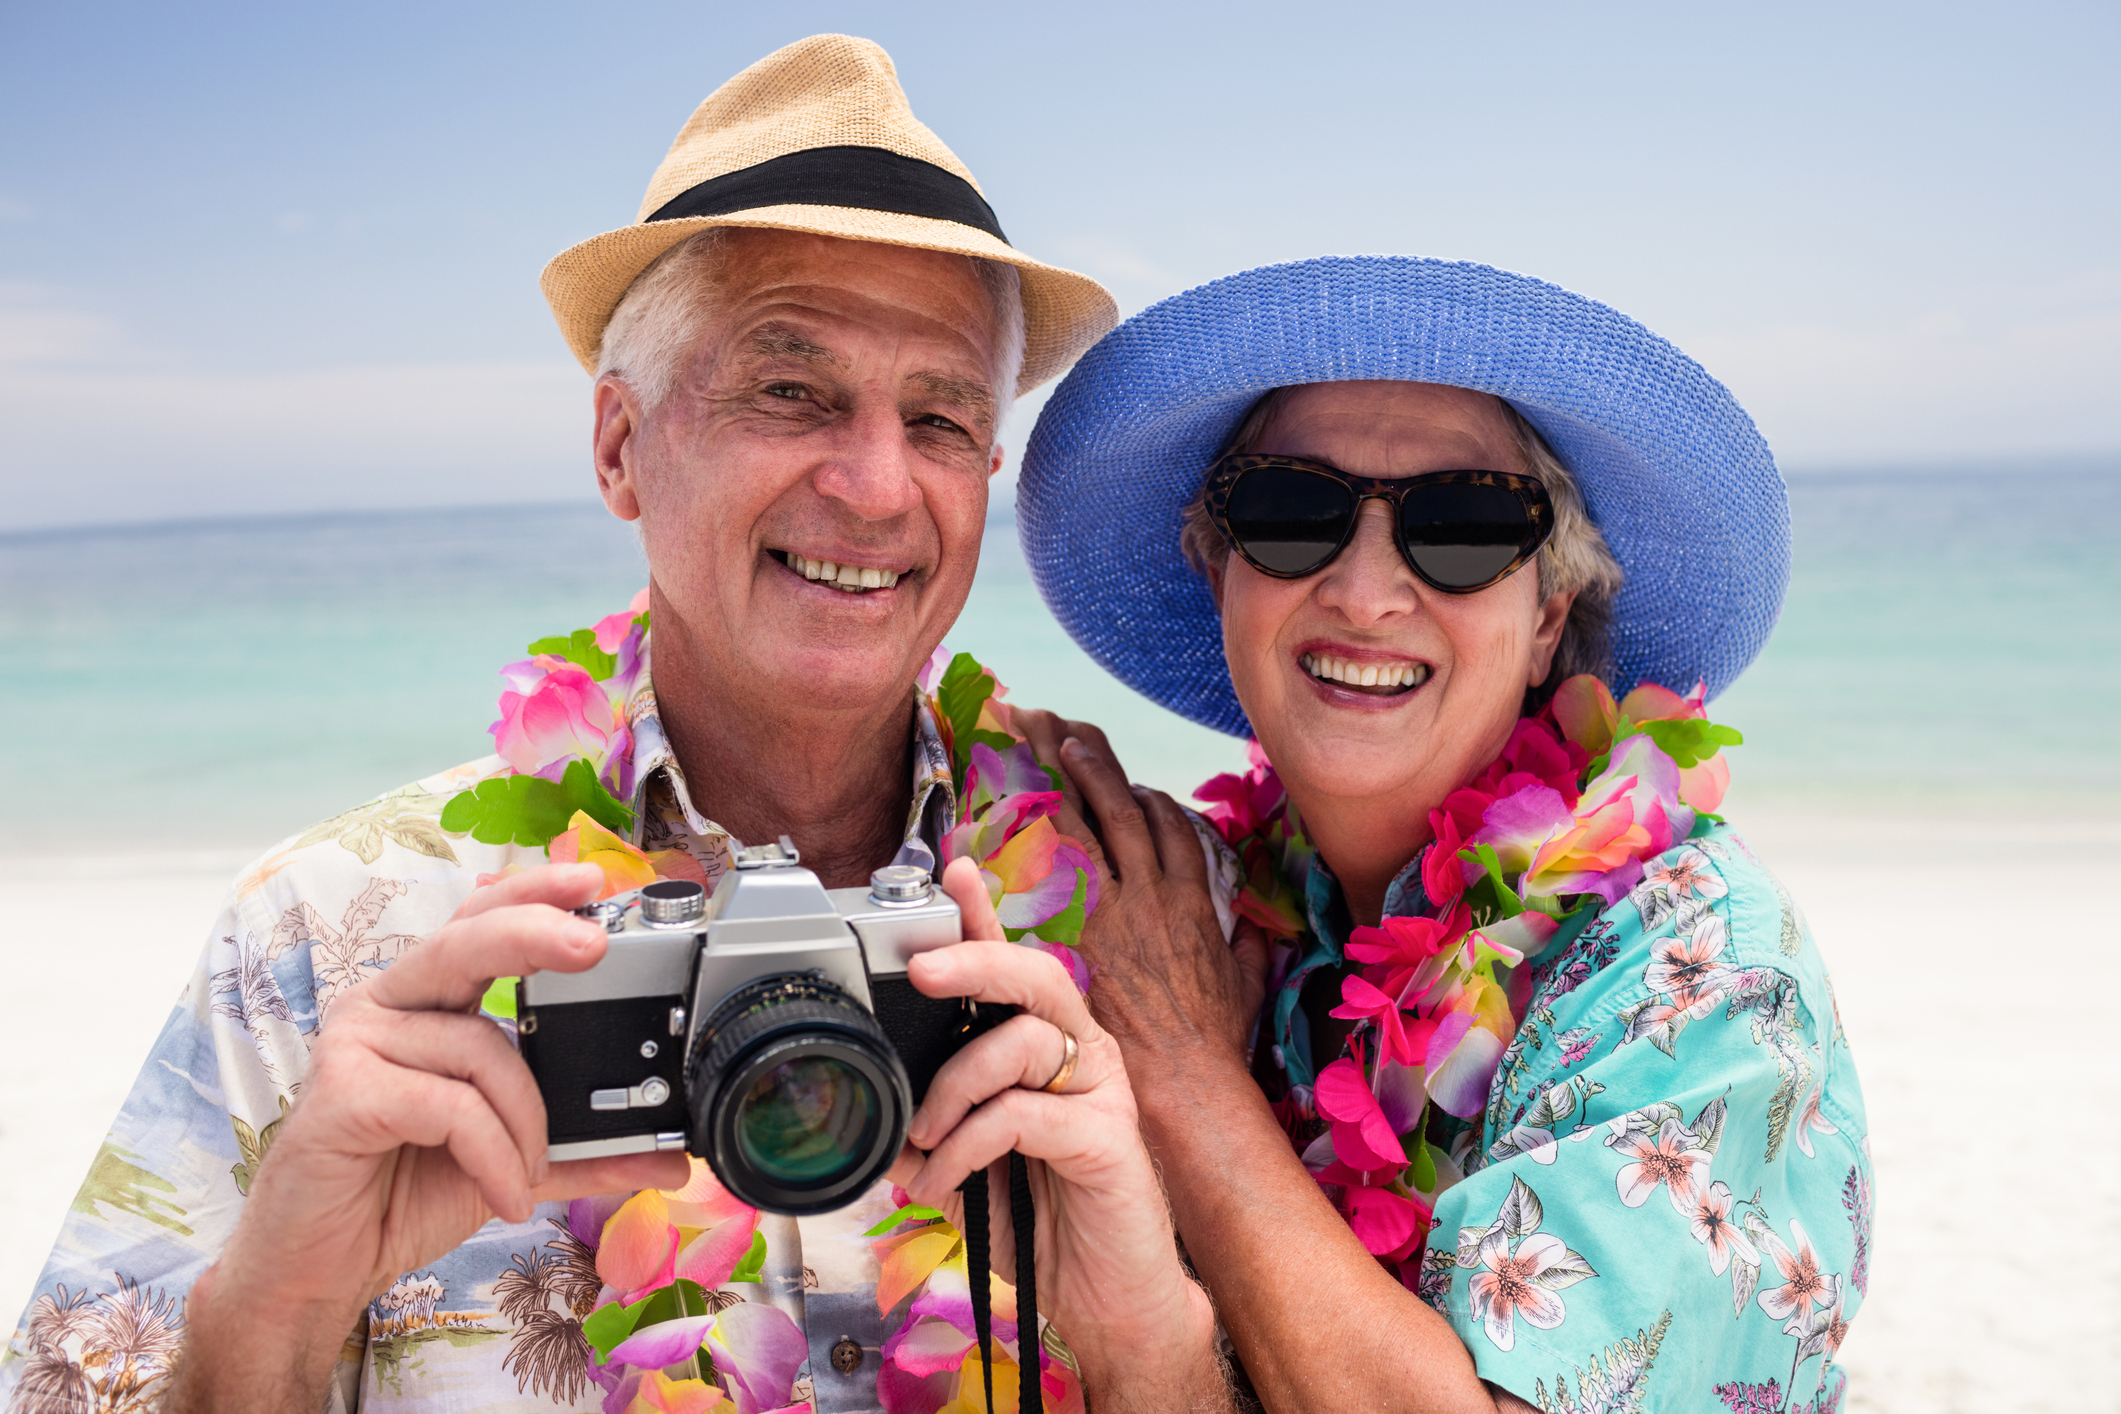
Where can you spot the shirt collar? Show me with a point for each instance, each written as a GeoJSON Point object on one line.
{"type": "Point", "coordinates": [931, 812]}
{"type": "Point", "coordinates": [1326, 911]}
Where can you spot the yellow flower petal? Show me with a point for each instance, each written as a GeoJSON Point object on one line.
{"type": "Point", "coordinates": [907, 1259]}
{"type": "Point", "coordinates": [587, 842]}
{"type": "Point", "coordinates": [659, 1394]}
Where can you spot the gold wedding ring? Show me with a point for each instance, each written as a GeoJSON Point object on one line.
{"type": "Point", "coordinates": [1066, 1073]}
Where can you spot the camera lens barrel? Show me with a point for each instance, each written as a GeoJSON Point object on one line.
{"type": "Point", "coordinates": [797, 1098]}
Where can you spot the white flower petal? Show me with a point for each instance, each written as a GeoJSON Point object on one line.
{"type": "Point", "coordinates": [1635, 1184]}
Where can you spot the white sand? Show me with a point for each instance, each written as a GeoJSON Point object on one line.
{"type": "Point", "coordinates": [1973, 961]}
{"type": "Point", "coordinates": [94, 954]}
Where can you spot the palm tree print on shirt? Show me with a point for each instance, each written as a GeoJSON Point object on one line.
{"type": "Point", "coordinates": [110, 1354]}
{"type": "Point", "coordinates": [545, 1297]}
{"type": "Point", "coordinates": [341, 957]}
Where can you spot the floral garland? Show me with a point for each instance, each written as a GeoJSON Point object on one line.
{"type": "Point", "coordinates": [564, 733]}
{"type": "Point", "coordinates": [1546, 835]}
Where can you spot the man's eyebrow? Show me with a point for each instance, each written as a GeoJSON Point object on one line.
{"type": "Point", "coordinates": [965, 392]}
{"type": "Point", "coordinates": [780, 341]}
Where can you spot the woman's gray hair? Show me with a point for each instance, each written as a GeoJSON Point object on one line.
{"type": "Point", "coordinates": [1575, 557]}
{"type": "Point", "coordinates": [659, 320]}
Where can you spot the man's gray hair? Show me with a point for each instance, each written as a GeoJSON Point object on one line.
{"type": "Point", "coordinates": [1575, 556]}
{"type": "Point", "coordinates": [658, 323]}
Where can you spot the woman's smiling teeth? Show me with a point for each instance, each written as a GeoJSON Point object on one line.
{"type": "Point", "coordinates": [852, 578]}
{"type": "Point", "coordinates": [1378, 677]}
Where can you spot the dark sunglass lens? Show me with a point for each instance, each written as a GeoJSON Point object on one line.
{"type": "Point", "coordinates": [1289, 521]}
{"type": "Point", "coordinates": [1463, 536]}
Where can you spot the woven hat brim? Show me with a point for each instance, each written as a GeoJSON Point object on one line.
{"type": "Point", "coordinates": [1064, 313]}
{"type": "Point", "coordinates": [1672, 470]}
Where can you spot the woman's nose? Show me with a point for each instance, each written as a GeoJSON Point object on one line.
{"type": "Point", "coordinates": [1369, 579]}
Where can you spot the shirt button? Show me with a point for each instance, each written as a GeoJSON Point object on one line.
{"type": "Point", "coordinates": [846, 1356]}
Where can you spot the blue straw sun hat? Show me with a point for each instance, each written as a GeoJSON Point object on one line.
{"type": "Point", "coordinates": [1672, 470]}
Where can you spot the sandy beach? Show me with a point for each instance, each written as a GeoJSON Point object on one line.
{"type": "Point", "coordinates": [1966, 1050]}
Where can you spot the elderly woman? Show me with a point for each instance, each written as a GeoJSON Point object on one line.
{"type": "Point", "coordinates": [1523, 1080]}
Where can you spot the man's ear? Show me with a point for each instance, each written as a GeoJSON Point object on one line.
{"type": "Point", "coordinates": [1546, 635]}
{"type": "Point", "coordinates": [618, 420]}
{"type": "Point", "coordinates": [994, 461]}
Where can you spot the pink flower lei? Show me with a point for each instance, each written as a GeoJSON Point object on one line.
{"type": "Point", "coordinates": [564, 733]}
{"type": "Point", "coordinates": [1583, 793]}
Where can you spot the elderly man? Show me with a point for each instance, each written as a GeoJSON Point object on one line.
{"type": "Point", "coordinates": [330, 1186]}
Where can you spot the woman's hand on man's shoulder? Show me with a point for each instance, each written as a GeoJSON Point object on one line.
{"type": "Point", "coordinates": [1165, 980]}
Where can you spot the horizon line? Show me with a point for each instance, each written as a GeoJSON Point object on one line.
{"type": "Point", "coordinates": [1001, 512]}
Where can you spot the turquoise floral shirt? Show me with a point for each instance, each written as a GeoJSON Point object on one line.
{"type": "Point", "coordinates": [1667, 1203]}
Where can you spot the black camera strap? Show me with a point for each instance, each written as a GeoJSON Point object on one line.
{"type": "Point", "coordinates": [978, 1264]}
{"type": "Point", "coordinates": [1028, 1343]}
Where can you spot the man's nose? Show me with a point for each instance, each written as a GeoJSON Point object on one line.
{"type": "Point", "coordinates": [871, 467]}
{"type": "Point", "coordinates": [1369, 580]}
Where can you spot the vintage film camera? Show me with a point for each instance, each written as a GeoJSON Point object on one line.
{"type": "Point", "coordinates": [770, 1029]}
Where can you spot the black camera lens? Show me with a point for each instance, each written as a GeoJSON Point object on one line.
{"type": "Point", "coordinates": [808, 1121]}
{"type": "Point", "coordinates": [798, 1100]}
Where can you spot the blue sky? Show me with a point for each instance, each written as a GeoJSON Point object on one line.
{"type": "Point", "coordinates": [268, 258]}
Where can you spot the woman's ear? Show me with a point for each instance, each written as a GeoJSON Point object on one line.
{"type": "Point", "coordinates": [1546, 636]}
{"type": "Point", "coordinates": [1214, 575]}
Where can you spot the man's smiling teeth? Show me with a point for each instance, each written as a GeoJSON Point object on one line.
{"type": "Point", "coordinates": [1354, 674]}
{"type": "Point", "coordinates": [852, 578]}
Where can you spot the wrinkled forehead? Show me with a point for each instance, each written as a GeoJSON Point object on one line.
{"type": "Point", "coordinates": [1390, 428]}
{"type": "Point", "coordinates": [801, 293]}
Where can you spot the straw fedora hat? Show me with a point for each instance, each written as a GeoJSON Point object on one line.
{"type": "Point", "coordinates": [818, 137]}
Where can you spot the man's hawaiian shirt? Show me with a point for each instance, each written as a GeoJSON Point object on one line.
{"type": "Point", "coordinates": [494, 1325]}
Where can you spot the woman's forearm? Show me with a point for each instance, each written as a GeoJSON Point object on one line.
{"type": "Point", "coordinates": [1316, 1321]}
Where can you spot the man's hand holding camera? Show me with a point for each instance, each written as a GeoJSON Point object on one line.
{"type": "Point", "coordinates": [417, 1123]}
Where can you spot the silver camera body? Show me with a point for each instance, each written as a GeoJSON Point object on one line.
{"type": "Point", "coordinates": [769, 1028]}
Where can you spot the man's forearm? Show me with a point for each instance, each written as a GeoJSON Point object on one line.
{"type": "Point", "coordinates": [1171, 1369]}
{"type": "Point", "coordinates": [244, 1355]}
{"type": "Point", "coordinates": [1317, 1322]}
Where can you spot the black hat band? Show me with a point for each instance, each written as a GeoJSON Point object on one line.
{"type": "Point", "coordinates": [870, 178]}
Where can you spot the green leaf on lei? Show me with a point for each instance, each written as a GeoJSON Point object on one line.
{"type": "Point", "coordinates": [606, 1326]}
{"type": "Point", "coordinates": [530, 810]}
{"type": "Point", "coordinates": [754, 1262]}
{"type": "Point", "coordinates": [911, 1213]}
{"type": "Point", "coordinates": [580, 648]}
{"type": "Point", "coordinates": [1491, 899]}
{"type": "Point", "coordinates": [965, 688]}
{"type": "Point", "coordinates": [1689, 741]}
{"type": "Point", "coordinates": [500, 998]}
{"type": "Point", "coordinates": [1421, 1174]}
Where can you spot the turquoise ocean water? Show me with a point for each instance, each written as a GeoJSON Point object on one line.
{"type": "Point", "coordinates": [1951, 643]}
